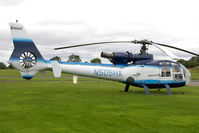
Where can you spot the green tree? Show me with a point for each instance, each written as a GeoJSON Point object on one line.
{"type": "Point", "coordinates": [56, 58]}
{"type": "Point", "coordinates": [183, 62]}
{"type": "Point", "coordinates": [74, 58]}
{"type": "Point", "coordinates": [10, 67]}
{"type": "Point", "coordinates": [193, 62]}
{"type": "Point", "coordinates": [96, 60]}
{"type": "Point", "coordinates": [2, 65]}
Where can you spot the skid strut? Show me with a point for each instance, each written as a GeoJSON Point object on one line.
{"type": "Point", "coordinates": [168, 89]}
{"type": "Point", "coordinates": [146, 89]}
{"type": "Point", "coordinates": [126, 88]}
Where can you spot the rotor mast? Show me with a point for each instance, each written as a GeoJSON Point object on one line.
{"type": "Point", "coordinates": [144, 43]}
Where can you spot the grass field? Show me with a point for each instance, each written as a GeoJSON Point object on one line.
{"type": "Point", "coordinates": [14, 75]}
{"type": "Point", "coordinates": [93, 107]}
{"type": "Point", "coordinates": [195, 73]}
{"type": "Point", "coordinates": [14, 72]}
{"type": "Point", "coordinates": [59, 107]}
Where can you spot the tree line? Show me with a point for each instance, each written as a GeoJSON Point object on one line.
{"type": "Point", "coordinates": [191, 63]}
{"type": "Point", "coordinates": [76, 58]}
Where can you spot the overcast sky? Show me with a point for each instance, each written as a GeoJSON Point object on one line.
{"type": "Point", "coordinates": [56, 23]}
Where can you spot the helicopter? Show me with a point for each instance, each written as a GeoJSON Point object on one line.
{"type": "Point", "coordinates": [139, 70]}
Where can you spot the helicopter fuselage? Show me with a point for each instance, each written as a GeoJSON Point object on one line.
{"type": "Point", "coordinates": [154, 74]}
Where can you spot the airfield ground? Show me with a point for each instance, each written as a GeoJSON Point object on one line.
{"type": "Point", "coordinates": [99, 107]}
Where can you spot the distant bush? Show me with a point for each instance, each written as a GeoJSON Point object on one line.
{"type": "Point", "coordinates": [56, 58]}
{"type": "Point", "coordinates": [2, 65]}
{"type": "Point", "coordinates": [10, 67]}
{"type": "Point", "coordinates": [74, 58]}
{"type": "Point", "coordinates": [96, 60]}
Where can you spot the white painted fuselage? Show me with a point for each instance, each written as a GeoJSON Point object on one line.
{"type": "Point", "coordinates": [141, 74]}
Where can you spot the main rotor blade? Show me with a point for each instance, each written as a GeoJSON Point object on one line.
{"type": "Point", "coordinates": [88, 44]}
{"type": "Point", "coordinates": [170, 54]}
{"type": "Point", "coordinates": [175, 48]}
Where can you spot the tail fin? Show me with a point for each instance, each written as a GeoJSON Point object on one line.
{"type": "Point", "coordinates": [25, 57]}
{"type": "Point", "coordinates": [56, 68]}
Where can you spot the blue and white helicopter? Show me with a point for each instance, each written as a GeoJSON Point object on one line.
{"type": "Point", "coordinates": [139, 70]}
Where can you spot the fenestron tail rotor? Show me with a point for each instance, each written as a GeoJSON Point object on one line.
{"type": "Point", "coordinates": [27, 60]}
{"type": "Point", "coordinates": [143, 49]}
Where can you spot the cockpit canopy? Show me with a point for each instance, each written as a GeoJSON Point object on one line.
{"type": "Point", "coordinates": [179, 72]}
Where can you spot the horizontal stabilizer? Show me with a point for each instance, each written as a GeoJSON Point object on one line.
{"type": "Point", "coordinates": [56, 68]}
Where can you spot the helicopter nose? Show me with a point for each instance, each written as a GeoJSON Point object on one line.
{"type": "Point", "coordinates": [188, 78]}
{"type": "Point", "coordinates": [187, 74]}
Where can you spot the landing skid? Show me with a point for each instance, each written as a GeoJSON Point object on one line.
{"type": "Point", "coordinates": [126, 89]}
{"type": "Point", "coordinates": [147, 89]}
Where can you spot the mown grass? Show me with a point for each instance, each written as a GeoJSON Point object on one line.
{"type": "Point", "coordinates": [51, 79]}
{"type": "Point", "coordinates": [195, 73]}
{"type": "Point", "coordinates": [14, 75]}
{"type": "Point", "coordinates": [57, 107]}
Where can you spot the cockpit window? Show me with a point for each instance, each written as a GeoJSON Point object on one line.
{"type": "Point", "coordinates": [166, 71]}
{"type": "Point", "coordinates": [178, 77]}
{"type": "Point", "coordinates": [176, 68]}
{"type": "Point", "coordinates": [187, 74]}
{"type": "Point", "coordinates": [177, 72]}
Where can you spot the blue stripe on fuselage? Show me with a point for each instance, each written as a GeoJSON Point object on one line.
{"type": "Point", "coordinates": [157, 81]}
{"type": "Point", "coordinates": [106, 65]}
{"type": "Point", "coordinates": [87, 64]}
